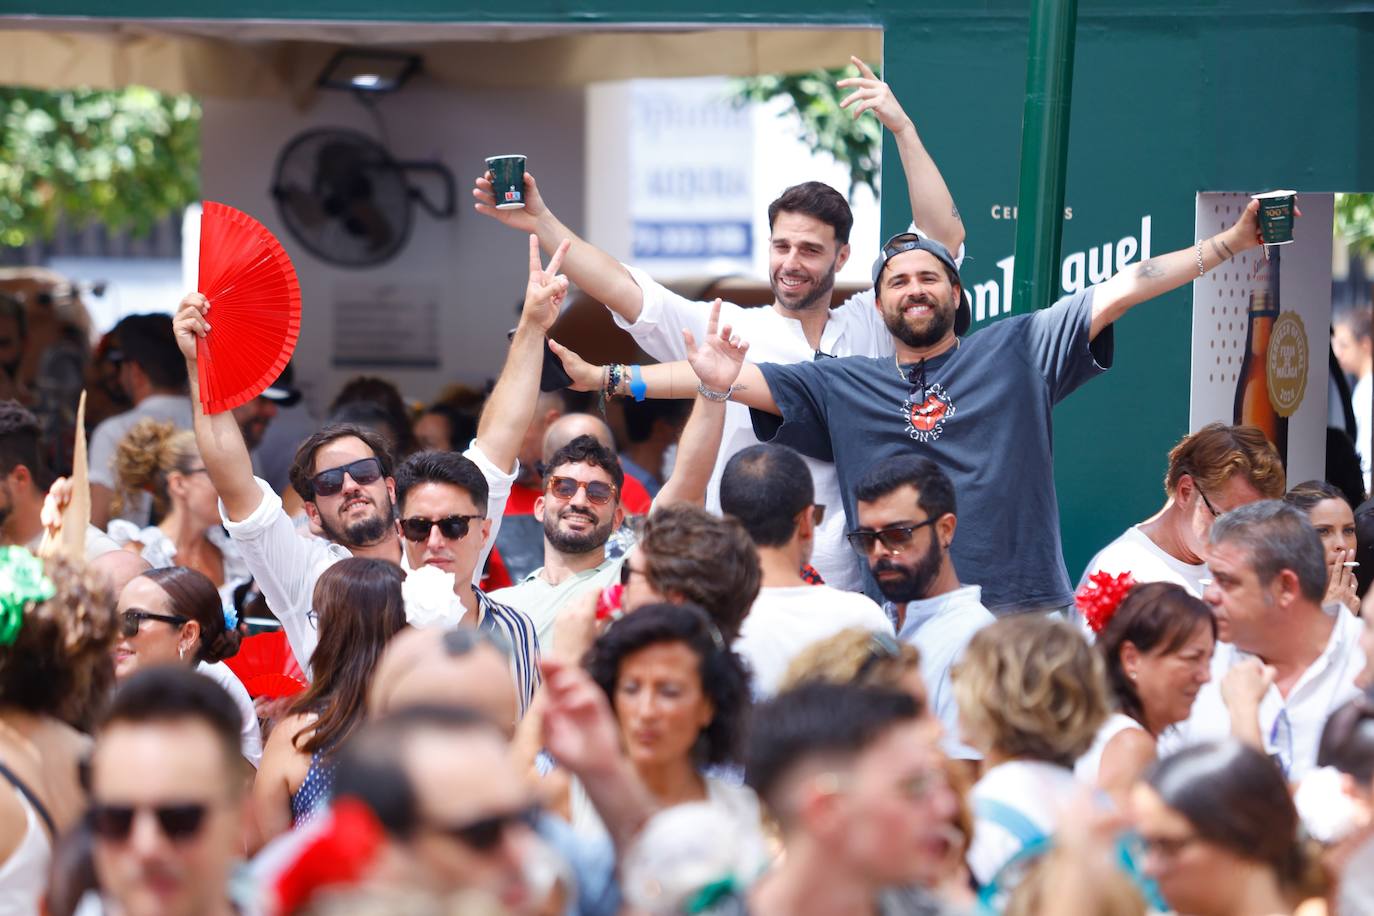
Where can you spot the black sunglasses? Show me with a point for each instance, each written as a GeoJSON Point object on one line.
{"type": "Point", "coordinates": [598, 493]}
{"type": "Point", "coordinates": [454, 527]}
{"type": "Point", "coordinates": [484, 834]}
{"type": "Point", "coordinates": [892, 539]}
{"type": "Point", "coordinates": [363, 471]}
{"type": "Point", "coordinates": [900, 243]}
{"type": "Point", "coordinates": [177, 822]}
{"type": "Point", "coordinates": [131, 620]}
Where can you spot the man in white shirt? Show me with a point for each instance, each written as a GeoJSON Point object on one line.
{"type": "Point", "coordinates": [343, 473]}
{"type": "Point", "coordinates": [1351, 341]}
{"type": "Point", "coordinates": [153, 374]}
{"type": "Point", "coordinates": [1268, 580]}
{"type": "Point", "coordinates": [907, 520]}
{"type": "Point", "coordinates": [809, 241]}
{"type": "Point", "coordinates": [1211, 472]}
{"type": "Point", "coordinates": [768, 489]}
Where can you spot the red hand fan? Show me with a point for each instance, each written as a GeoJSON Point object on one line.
{"type": "Point", "coordinates": [255, 308]}
{"type": "Point", "coordinates": [266, 666]}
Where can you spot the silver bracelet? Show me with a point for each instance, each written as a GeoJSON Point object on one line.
{"type": "Point", "coordinates": [1201, 272]}
{"type": "Point", "coordinates": [710, 395]}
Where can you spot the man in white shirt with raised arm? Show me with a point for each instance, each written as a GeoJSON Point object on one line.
{"type": "Point", "coordinates": [809, 241]}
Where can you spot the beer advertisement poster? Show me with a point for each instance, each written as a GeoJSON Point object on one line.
{"type": "Point", "coordinates": [1261, 333]}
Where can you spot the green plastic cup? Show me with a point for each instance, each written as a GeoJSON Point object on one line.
{"type": "Point", "coordinates": [508, 181]}
{"type": "Point", "coordinates": [1276, 216]}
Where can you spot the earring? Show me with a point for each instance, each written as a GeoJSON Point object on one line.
{"type": "Point", "coordinates": [181, 653]}
{"type": "Point", "coordinates": [1132, 675]}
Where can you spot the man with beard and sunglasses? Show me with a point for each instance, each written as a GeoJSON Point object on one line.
{"type": "Point", "coordinates": [907, 520]}
{"type": "Point", "coordinates": [343, 473]}
{"type": "Point", "coordinates": [808, 242]}
{"type": "Point", "coordinates": [168, 803]}
{"type": "Point", "coordinates": [579, 509]}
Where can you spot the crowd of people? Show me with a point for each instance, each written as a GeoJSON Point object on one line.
{"type": "Point", "coordinates": [758, 629]}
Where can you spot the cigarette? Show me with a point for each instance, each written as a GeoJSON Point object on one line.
{"type": "Point", "coordinates": [1350, 563]}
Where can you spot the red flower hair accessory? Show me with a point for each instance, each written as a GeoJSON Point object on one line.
{"type": "Point", "coordinates": [1100, 596]}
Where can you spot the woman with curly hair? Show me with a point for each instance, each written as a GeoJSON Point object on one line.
{"type": "Point", "coordinates": [157, 458]}
{"type": "Point", "coordinates": [680, 696]}
{"type": "Point", "coordinates": [360, 608]}
{"type": "Point", "coordinates": [55, 635]}
{"type": "Point", "coordinates": [174, 616]}
{"type": "Point", "coordinates": [1031, 699]}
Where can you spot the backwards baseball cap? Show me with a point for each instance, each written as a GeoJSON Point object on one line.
{"type": "Point", "coordinates": [910, 241]}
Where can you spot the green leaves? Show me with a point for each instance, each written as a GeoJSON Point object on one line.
{"type": "Point", "coordinates": [825, 126]}
{"type": "Point", "coordinates": [125, 158]}
{"type": "Point", "coordinates": [1355, 222]}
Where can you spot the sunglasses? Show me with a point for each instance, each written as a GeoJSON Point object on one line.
{"type": "Point", "coordinates": [900, 243]}
{"type": "Point", "coordinates": [130, 621]}
{"type": "Point", "coordinates": [598, 493]}
{"type": "Point", "coordinates": [485, 834]}
{"type": "Point", "coordinates": [893, 539]}
{"type": "Point", "coordinates": [454, 527]}
{"type": "Point", "coordinates": [177, 822]}
{"type": "Point", "coordinates": [363, 471]}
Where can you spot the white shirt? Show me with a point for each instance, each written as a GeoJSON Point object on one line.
{"type": "Point", "coordinates": [1146, 561]}
{"type": "Point", "coordinates": [108, 435]}
{"type": "Point", "coordinates": [784, 621]}
{"type": "Point", "coordinates": [1088, 767]}
{"type": "Point", "coordinates": [855, 328]}
{"type": "Point", "coordinates": [1290, 726]}
{"type": "Point", "coordinates": [1362, 400]}
{"type": "Point", "coordinates": [161, 552]}
{"type": "Point", "coordinates": [941, 628]}
{"type": "Point", "coordinates": [1037, 793]}
{"type": "Point", "coordinates": [250, 736]}
{"type": "Point", "coordinates": [287, 565]}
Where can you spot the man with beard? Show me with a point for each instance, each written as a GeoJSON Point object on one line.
{"type": "Point", "coordinates": [907, 520]}
{"type": "Point", "coordinates": [808, 242]}
{"type": "Point", "coordinates": [579, 509]}
{"type": "Point", "coordinates": [343, 473]}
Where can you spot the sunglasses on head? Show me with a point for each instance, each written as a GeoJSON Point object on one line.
{"type": "Point", "coordinates": [892, 539]}
{"type": "Point", "coordinates": [131, 620]}
{"type": "Point", "coordinates": [453, 527]}
{"type": "Point", "coordinates": [363, 471]}
{"type": "Point", "coordinates": [485, 834]}
{"type": "Point", "coordinates": [177, 822]}
{"type": "Point", "coordinates": [598, 493]}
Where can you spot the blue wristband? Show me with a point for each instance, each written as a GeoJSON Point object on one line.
{"type": "Point", "coordinates": [637, 386]}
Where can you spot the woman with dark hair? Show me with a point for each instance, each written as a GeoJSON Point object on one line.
{"type": "Point", "coordinates": [360, 608]}
{"type": "Point", "coordinates": [1156, 648]}
{"type": "Point", "coordinates": [1221, 833]}
{"type": "Point", "coordinates": [680, 696]}
{"type": "Point", "coordinates": [1334, 519]}
{"type": "Point", "coordinates": [55, 634]}
{"type": "Point", "coordinates": [176, 616]}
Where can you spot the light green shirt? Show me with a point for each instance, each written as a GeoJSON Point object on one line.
{"type": "Point", "coordinates": [541, 601]}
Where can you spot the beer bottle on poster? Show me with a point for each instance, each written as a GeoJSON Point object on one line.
{"type": "Point", "coordinates": [1253, 406]}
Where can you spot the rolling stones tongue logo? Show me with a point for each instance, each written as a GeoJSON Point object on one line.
{"type": "Point", "coordinates": [925, 416]}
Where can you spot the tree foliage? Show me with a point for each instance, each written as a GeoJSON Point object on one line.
{"type": "Point", "coordinates": [825, 127]}
{"type": "Point", "coordinates": [126, 158]}
{"type": "Point", "coordinates": [1355, 222]}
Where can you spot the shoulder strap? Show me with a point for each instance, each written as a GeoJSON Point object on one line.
{"type": "Point", "coordinates": [1009, 819]}
{"type": "Point", "coordinates": [32, 799]}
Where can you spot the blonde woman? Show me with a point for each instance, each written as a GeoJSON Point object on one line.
{"type": "Point", "coordinates": [156, 457]}
{"type": "Point", "coordinates": [1031, 696]}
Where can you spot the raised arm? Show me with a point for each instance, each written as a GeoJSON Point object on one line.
{"type": "Point", "coordinates": [665, 380]}
{"type": "Point", "coordinates": [510, 409]}
{"type": "Point", "coordinates": [932, 205]}
{"type": "Point", "coordinates": [1114, 297]}
{"type": "Point", "coordinates": [218, 437]}
{"type": "Point", "coordinates": [716, 364]}
{"type": "Point", "coordinates": [594, 271]}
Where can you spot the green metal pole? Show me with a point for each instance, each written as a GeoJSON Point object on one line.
{"type": "Point", "coordinates": [1044, 153]}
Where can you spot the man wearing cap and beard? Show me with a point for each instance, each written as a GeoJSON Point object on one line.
{"type": "Point", "coordinates": [979, 408]}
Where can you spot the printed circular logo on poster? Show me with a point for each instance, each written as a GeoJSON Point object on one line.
{"type": "Point", "coordinates": [1286, 364]}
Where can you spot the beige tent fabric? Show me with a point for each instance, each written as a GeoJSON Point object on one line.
{"type": "Point", "coordinates": [259, 59]}
{"type": "Point", "coordinates": [70, 539]}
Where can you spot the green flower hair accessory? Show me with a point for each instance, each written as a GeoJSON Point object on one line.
{"type": "Point", "coordinates": [22, 582]}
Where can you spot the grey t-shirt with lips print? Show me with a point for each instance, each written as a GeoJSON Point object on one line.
{"type": "Point", "coordinates": [982, 412]}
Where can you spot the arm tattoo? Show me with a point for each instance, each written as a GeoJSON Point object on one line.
{"type": "Point", "coordinates": [954, 212]}
{"type": "Point", "coordinates": [1229, 252]}
{"type": "Point", "coordinates": [1149, 270]}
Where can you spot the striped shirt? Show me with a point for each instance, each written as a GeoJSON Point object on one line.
{"type": "Point", "coordinates": [517, 630]}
